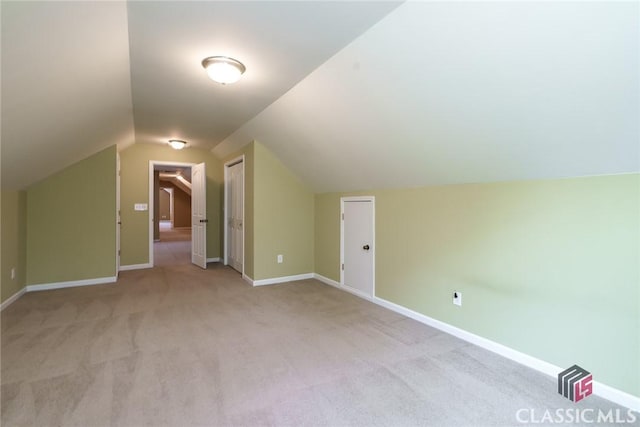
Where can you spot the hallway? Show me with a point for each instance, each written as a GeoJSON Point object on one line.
{"type": "Point", "coordinates": [174, 247]}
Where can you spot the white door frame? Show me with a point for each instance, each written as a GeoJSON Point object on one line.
{"type": "Point", "coordinates": [371, 199]}
{"type": "Point", "coordinates": [152, 164]}
{"type": "Point", "coordinates": [118, 215]}
{"type": "Point", "coordinates": [225, 249]}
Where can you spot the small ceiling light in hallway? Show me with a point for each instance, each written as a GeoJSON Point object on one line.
{"type": "Point", "coordinates": [177, 144]}
{"type": "Point", "coordinates": [223, 69]}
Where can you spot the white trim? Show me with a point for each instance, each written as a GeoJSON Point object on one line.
{"type": "Point", "coordinates": [71, 284]}
{"type": "Point", "coordinates": [333, 283]}
{"type": "Point", "coordinates": [118, 213]}
{"type": "Point", "coordinates": [217, 259]}
{"type": "Point", "coordinates": [327, 281]}
{"type": "Point", "coordinates": [283, 279]}
{"type": "Point", "coordinates": [371, 199]}
{"type": "Point", "coordinates": [12, 298]}
{"type": "Point", "coordinates": [135, 267]}
{"type": "Point", "coordinates": [607, 392]}
{"type": "Point", "coordinates": [225, 245]}
{"type": "Point", "coordinates": [247, 279]}
{"type": "Point", "coordinates": [150, 201]}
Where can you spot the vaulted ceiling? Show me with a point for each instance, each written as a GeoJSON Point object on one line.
{"type": "Point", "coordinates": [349, 95]}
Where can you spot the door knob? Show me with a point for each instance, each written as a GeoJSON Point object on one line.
{"type": "Point", "coordinates": [365, 247]}
{"type": "Point", "coordinates": [204, 220]}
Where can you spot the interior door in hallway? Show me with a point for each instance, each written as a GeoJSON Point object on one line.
{"type": "Point", "coordinates": [358, 250]}
{"type": "Point", "coordinates": [235, 215]}
{"type": "Point", "coordinates": [199, 215]}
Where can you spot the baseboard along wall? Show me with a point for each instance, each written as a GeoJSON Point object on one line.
{"type": "Point", "coordinates": [606, 392]}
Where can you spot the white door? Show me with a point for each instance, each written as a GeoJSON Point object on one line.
{"type": "Point", "coordinates": [235, 215]}
{"type": "Point", "coordinates": [358, 245]}
{"type": "Point", "coordinates": [199, 216]}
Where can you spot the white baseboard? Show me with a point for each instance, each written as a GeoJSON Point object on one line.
{"type": "Point", "coordinates": [247, 279]}
{"type": "Point", "coordinates": [284, 279]}
{"type": "Point", "coordinates": [333, 283]}
{"type": "Point", "coordinates": [217, 259]}
{"type": "Point", "coordinates": [71, 284]}
{"type": "Point", "coordinates": [327, 281]}
{"type": "Point", "coordinates": [135, 267]}
{"type": "Point", "coordinates": [13, 298]}
{"type": "Point", "coordinates": [617, 396]}
{"type": "Point", "coordinates": [607, 392]}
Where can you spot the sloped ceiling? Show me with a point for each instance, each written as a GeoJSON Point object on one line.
{"type": "Point", "coordinates": [65, 85]}
{"type": "Point", "coordinates": [280, 43]}
{"type": "Point", "coordinates": [349, 95]}
{"type": "Point", "coordinates": [79, 76]}
{"type": "Point", "coordinates": [442, 93]}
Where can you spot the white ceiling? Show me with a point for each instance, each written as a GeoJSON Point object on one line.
{"type": "Point", "coordinates": [349, 95]}
{"type": "Point", "coordinates": [65, 85]}
{"type": "Point", "coordinates": [442, 93]}
{"type": "Point", "coordinates": [80, 76]}
{"type": "Point", "coordinates": [280, 43]}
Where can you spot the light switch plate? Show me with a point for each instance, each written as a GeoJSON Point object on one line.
{"type": "Point", "coordinates": [140, 207]}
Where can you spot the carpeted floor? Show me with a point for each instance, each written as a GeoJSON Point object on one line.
{"type": "Point", "coordinates": [173, 248]}
{"type": "Point", "coordinates": [181, 346]}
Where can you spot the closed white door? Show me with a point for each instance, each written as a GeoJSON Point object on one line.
{"type": "Point", "coordinates": [235, 215]}
{"type": "Point", "coordinates": [358, 245]}
{"type": "Point", "coordinates": [199, 216]}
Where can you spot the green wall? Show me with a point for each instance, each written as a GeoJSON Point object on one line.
{"type": "Point", "coordinates": [71, 220]}
{"type": "Point", "coordinates": [13, 230]}
{"type": "Point", "coordinates": [278, 217]}
{"type": "Point", "coordinates": [134, 188]}
{"type": "Point", "coordinates": [283, 219]}
{"type": "Point", "coordinates": [549, 268]}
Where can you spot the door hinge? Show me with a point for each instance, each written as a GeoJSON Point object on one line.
{"type": "Point", "coordinates": [342, 267]}
{"type": "Point", "coordinates": [343, 217]}
{"type": "Point", "coordinates": [118, 252]}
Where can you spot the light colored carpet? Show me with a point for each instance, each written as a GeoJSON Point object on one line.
{"type": "Point", "coordinates": [181, 346]}
{"type": "Point", "coordinates": [174, 247]}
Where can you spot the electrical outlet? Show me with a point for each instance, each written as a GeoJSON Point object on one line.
{"type": "Point", "coordinates": [457, 298]}
{"type": "Point", "coordinates": [13, 273]}
{"type": "Point", "coordinates": [280, 259]}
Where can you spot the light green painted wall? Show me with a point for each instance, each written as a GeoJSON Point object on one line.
{"type": "Point", "coordinates": [327, 240]}
{"type": "Point", "coordinates": [248, 152]}
{"type": "Point", "coordinates": [134, 188]}
{"type": "Point", "coordinates": [278, 217]}
{"type": "Point", "coordinates": [14, 241]}
{"type": "Point", "coordinates": [283, 219]}
{"type": "Point", "coordinates": [71, 220]}
{"type": "Point", "coordinates": [549, 268]}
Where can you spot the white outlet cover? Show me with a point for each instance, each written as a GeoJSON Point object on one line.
{"type": "Point", "coordinates": [458, 300]}
{"type": "Point", "coordinates": [280, 259]}
{"type": "Point", "coordinates": [140, 207]}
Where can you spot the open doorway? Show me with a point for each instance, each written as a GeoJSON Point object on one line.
{"type": "Point", "coordinates": [172, 214]}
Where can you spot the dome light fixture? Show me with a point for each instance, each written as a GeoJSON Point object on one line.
{"type": "Point", "coordinates": [177, 144]}
{"type": "Point", "coordinates": [223, 69]}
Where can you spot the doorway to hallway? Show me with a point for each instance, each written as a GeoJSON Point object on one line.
{"type": "Point", "coordinates": [173, 247]}
{"type": "Point", "coordinates": [171, 213]}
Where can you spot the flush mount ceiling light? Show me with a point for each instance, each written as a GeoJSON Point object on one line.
{"type": "Point", "coordinates": [177, 144]}
{"type": "Point", "coordinates": [223, 69]}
